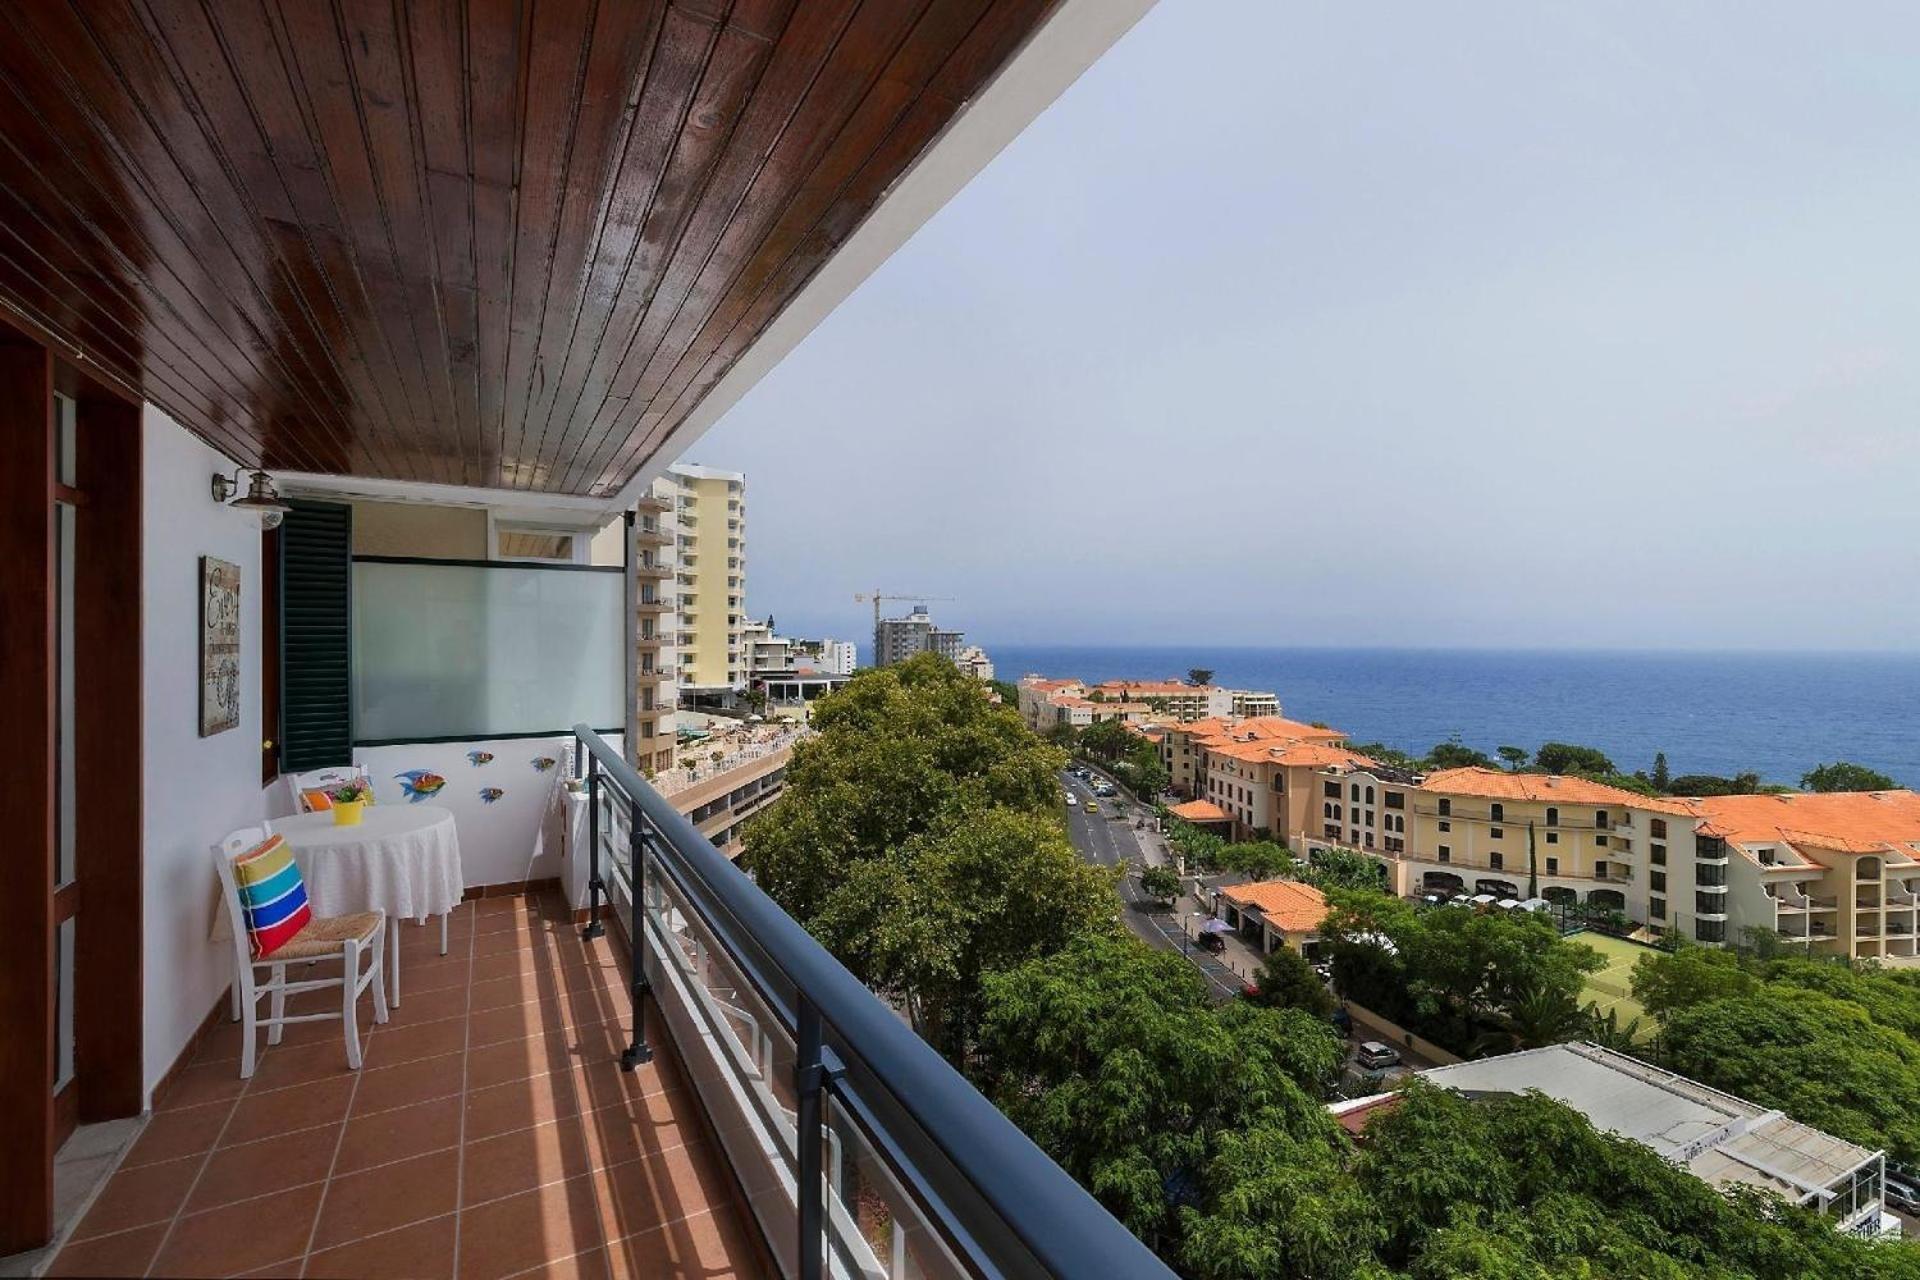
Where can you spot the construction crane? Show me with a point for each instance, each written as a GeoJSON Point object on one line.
{"type": "Point", "coordinates": [878, 596]}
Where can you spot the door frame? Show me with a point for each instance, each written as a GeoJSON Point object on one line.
{"type": "Point", "coordinates": [104, 897]}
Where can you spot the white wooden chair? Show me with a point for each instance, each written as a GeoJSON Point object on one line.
{"type": "Point", "coordinates": [298, 784]}
{"type": "Point", "coordinates": [325, 938]}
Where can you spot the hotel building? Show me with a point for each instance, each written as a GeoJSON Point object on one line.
{"type": "Point", "coordinates": [1836, 872]}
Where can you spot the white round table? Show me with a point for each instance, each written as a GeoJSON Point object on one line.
{"type": "Point", "coordinates": [403, 859]}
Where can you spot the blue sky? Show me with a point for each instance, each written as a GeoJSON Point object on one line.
{"type": "Point", "coordinates": [1507, 325]}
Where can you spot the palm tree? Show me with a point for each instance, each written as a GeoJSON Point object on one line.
{"type": "Point", "coordinates": [1606, 1030]}
{"type": "Point", "coordinates": [1536, 1018]}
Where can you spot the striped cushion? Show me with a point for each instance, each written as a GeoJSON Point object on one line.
{"type": "Point", "coordinates": [272, 894]}
{"type": "Point", "coordinates": [316, 799]}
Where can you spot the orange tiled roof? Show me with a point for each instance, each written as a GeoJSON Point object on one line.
{"type": "Point", "coordinates": [1843, 821]}
{"type": "Point", "coordinates": [1049, 686]}
{"type": "Point", "coordinates": [1157, 687]}
{"type": "Point", "coordinates": [1286, 904]}
{"type": "Point", "coordinates": [1199, 811]}
{"type": "Point", "coordinates": [1497, 784]}
{"type": "Point", "coordinates": [1321, 755]}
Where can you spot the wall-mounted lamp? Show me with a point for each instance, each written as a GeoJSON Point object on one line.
{"type": "Point", "coordinates": [262, 498]}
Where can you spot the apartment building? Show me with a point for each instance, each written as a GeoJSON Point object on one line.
{"type": "Point", "coordinates": [897, 639]}
{"type": "Point", "coordinates": [1183, 701]}
{"type": "Point", "coordinates": [831, 657]}
{"type": "Point", "coordinates": [1036, 699]}
{"type": "Point", "coordinates": [974, 661]}
{"type": "Point", "coordinates": [1836, 872]}
{"type": "Point", "coordinates": [1184, 744]}
{"type": "Point", "coordinates": [1266, 786]}
{"type": "Point", "coordinates": [710, 581]}
{"type": "Point", "coordinates": [655, 559]}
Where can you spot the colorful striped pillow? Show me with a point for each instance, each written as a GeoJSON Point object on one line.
{"type": "Point", "coordinates": [272, 895]}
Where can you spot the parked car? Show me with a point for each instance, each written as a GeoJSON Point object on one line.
{"type": "Point", "coordinates": [1214, 942]}
{"type": "Point", "coordinates": [1902, 1194]}
{"type": "Point", "coordinates": [1375, 1056]}
{"type": "Point", "coordinates": [1103, 788]}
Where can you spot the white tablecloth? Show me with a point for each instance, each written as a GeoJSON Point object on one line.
{"type": "Point", "coordinates": [403, 859]}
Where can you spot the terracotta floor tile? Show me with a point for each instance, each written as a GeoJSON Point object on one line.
{"type": "Point", "coordinates": [285, 1269]}
{"type": "Point", "coordinates": [220, 1044]}
{"type": "Point", "coordinates": [523, 1103]}
{"type": "Point", "coordinates": [514, 1022]}
{"type": "Point", "coordinates": [138, 1197]}
{"type": "Point", "coordinates": [198, 1085]}
{"type": "Point", "coordinates": [417, 1007]}
{"type": "Point", "coordinates": [423, 1251]}
{"type": "Point", "coordinates": [240, 1237]}
{"type": "Point", "coordinates": [436, 974]}
{"type": "Point", "coordinates": [262, 1168]}
{"type": "Point", "coordinates": [499, 941]}
{"type": "Point", "coordinates": [523, 1159]}
{"type": "Point", "coordinates": [524, 1231]}
{"type": "Point", "coordinates": [710, 1245]}
{"type": "Point", "coordinates": [398, 1044]}
{"type": "Point", "coordinates": [303, 1064]}
{"type": "Point", "coordinates": [422, 1080]}
{"type": "Point", "coordinates": [172, 1134]}
{"type": "Point", "coordinates": [264, 1115]}
{"type": "Point", "coordinates": [513, 1060]}
{"type": "Point", "coordinates": [126, 1254]}
{"type": "Point", "coordinates": [660, 1187]}
{"type": "Point", "coordinates": [398, 1134]}
{"type": "Point", "coordinates": [376, 1200]}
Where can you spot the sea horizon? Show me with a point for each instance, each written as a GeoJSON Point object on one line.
{"type": "Point", "coordinates": [1778, 713]}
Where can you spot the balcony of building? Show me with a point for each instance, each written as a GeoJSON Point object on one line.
{"type": "Point", "coordinates": [651, 570]}
{"type": "Point", "coordinates": [649, 534]}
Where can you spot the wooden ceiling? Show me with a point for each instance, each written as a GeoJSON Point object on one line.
{"type": "Point", "coordinates": [486, 242]}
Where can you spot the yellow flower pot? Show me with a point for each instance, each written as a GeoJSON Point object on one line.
{"type": "Point", "coordinates": [346, 813]}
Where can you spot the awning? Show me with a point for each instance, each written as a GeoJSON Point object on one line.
{"type": "Point", "coordinates": [1199, 811]}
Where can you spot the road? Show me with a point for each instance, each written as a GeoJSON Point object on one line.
{"type": "Point", "coordinates": [1106, 836]}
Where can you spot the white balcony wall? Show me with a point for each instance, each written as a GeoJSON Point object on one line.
{"type": "Point", "coordinates": [194, 789]}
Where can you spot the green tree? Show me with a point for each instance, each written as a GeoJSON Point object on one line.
{"type": "Point", "coordinates": [1345, 869]}
{"type": "Point", "coordinates": [1260, 859]}
{"type": "Point", "coordinates": [1567, 757]}
{"type": "Point", "coordinates": [1515, 758]}
{"type": "Point", "coordinates": [1533, 1019]}
{"type": "Point", "coordinates": [1821, 1060]}
{"type": "Point", "coordinates": [1141, 770]}
{"type": "Point", "coordinates": [1661, 777]}
{"type": "Point", "coordinates": [916, 838]}
{"type": "Point", "coordinates": [1452, 754]}
{"type": "Point", "coordinates": [1112, 1058]}
{"type": "Point", "coordinates": [1160, 883]}
{"type": "Point", "coordinates": [1706, 784]}
{"type": "Point", "coordinates": [1064, 736]}
{"type": "Point", "coordinates": [1688, 976]}
{"type": "Point", "coordinates": [1286, 981]}
{"type": "Point", "coordinates": [1844, 776]}
{"type": "Point", "coordinates": [1387, 755]}
{"type": "Point", "coordinates": [1199, 675]}
{"type": "Point", "coordinates": [1009, 693]}
{"type": "Point", "coordinates": [1107, 740]}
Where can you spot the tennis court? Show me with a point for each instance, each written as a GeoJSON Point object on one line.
{"type": "Point", "coordinates": [1610, 988]}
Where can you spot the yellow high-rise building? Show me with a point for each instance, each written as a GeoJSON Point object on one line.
{"type": "Point", "coordinates": [710, 527]}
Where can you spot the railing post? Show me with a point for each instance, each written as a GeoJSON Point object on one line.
{"type": "Point", "coordinates": [594, 928]}
{"type": "Point", "coordinates": [638, 1051]}
{"type": "Point", "coordinates": [809, 1081]}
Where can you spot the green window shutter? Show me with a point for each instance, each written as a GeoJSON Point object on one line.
{"type": "Point", "coordinates": [316, 636]}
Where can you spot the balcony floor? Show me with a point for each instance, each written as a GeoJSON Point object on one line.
{"type": "Point", "coordinates": [490, 1134]}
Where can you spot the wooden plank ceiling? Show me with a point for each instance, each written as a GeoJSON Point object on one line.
{"type": "Point", "coordinates": [486, 242]}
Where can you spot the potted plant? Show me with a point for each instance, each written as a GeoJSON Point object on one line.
{"type": "Point", "coordinates": [349, 802]}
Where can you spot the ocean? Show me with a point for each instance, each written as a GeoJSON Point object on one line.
{"type": "Point", "coordinates": [1776, 714]}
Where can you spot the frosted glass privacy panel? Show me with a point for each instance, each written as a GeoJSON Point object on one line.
{"type": "Point", "coordinates": [446, 650]}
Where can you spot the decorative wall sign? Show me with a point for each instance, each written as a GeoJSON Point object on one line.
{"type": "Point", "coordinates": [219, 646]}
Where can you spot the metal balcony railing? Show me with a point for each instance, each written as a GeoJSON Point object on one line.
{"type": "Point", "coordinates": [866, 1153]}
